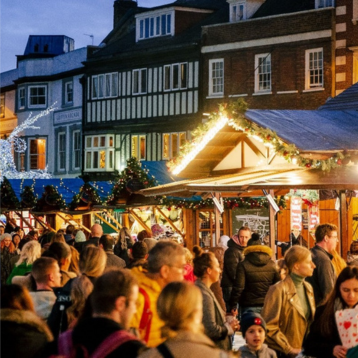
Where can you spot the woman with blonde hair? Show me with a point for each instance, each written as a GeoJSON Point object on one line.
{"type": "Point", "coordinates": [289, 305]}
{"type": "Point", "coordinates": [29, 253]}
{"type": "Point", "coordinates": [124, 243]}
{"type": "Point", "coordinates": [8, 251]}
{"type": "Point", "coordinates": [92, 262]}
{"type": "Point", "coordinates": [75, 259]}
{"type": "Point", "coordinates": [180, 308]}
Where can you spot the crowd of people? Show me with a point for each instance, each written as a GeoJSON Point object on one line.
{"type": "Point", "coordinates": [69, 294]}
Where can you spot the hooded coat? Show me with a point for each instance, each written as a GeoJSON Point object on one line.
{"type": "Point", "coordinates": [254, 276]}
{"type": "Point", "coordinates": [233, 255]}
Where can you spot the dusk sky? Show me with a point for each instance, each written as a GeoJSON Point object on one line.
{"type": "Point", "coordinates": [73, 18]}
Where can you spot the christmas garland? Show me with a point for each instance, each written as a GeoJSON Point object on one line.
{"type": "Point", "coordinates": [235, 114]}
{"type": "Point", "coordinates": [309, 197]}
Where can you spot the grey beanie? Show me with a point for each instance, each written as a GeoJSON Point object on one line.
{"type": "Point", "coordinates": [80, 236]}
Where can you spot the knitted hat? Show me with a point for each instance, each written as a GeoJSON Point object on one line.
{"type": "Point", "coordinates": [80, 236]}
{"type": "Point", "coordinates": [139, 250]}
{"type": "Point", "coordinates": [255, 240]}
{"type": "Point", "coordinates": [249, 319]}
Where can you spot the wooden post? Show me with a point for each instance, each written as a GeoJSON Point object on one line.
{"type": "Point", "coordinates": [343, 223]}
{"type": "Point", "coordinates": [217, 223]}
{"type": "Point", "coordinates": [272, 227]}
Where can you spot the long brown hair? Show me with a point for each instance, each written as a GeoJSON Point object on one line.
{"type": "Point", "coordinates": [327, 320]}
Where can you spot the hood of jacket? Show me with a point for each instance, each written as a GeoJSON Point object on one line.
{"type": "Point", "coordinates": [26, 317]}
{"type": "Point", "coordinates": [232, 244]}
{"type": "Point", "coordinates": [258, 255]}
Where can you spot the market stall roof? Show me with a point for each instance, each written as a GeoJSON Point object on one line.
{"type": "Point", "coordinates": [311, 130]}
{"type": "Point", "coordinates": [348, 99]}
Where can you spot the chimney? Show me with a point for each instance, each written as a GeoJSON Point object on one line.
{"type": "Point", "coordinates": [120, 9]}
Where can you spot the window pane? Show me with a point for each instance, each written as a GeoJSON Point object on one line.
{"type": "Point", "coordinates": [142, 147]}
{"type": "Point", "coordinates": [183, 75]}
{"type": "Point", "coordinates": [141, 29]}
{"type": "Point", "coordinates": [69, 92]}
{"type": "Point", "coordinates": [108, 85]}
{"type": "Point", "coordinates": [143, 88]}
{"type": "Point", "coordinates": [100, 86]}
{"type": "Point", "coordinates": [95, 160]}
{"type": "Point", "coordinates": [157, 25]}
{"type": "Point", "coordinates": [103, 141]}
{"type": "Point", "coordinates": [164, 25]}
{"type": "Point", "coordinates": [76, 149]}
{"type": "Point", "coordinates": [62, 151]}
{"type": "Point", "coordinates": [175, 76]}
{"type": "Point", "coordinates": [316, 69]}
{"type": "Point", "coordinates": [182, 139]}
{"type": "Point", "coordinates": [110, 164]}
{"type": "Point", "coordinates": [151, 27]}
{"type": "Point", "coordinates": [264, 72]}
{"type": "Point", "coordinates": [94, 87]}
{"type": "Point", "coordinates": [37, 154]}
{"type": "Point", "coordinates": [175, 144]}
{"type": "Point", "coordinates": [166, 77]}
{"type": "Point", "coordinates": [146, 28]}
{"type": "Point", "coordinates": [95, 142]}
{"type": "Point", "coordinates": [111, 141]}
{"type": "Point", "coordinates": [135, 81]}
{"type": "Point", "coordinates": [217, 75]}
{"type": "Point", "coordinates": [135, 146]}
{"type": "Point", "coordinates": [166, 148]}
{"type": "Point", "coordinates": [169, 23]}
{"type": "Point", "coordinates": [114, 85]}
{"type": "Point", "coordinates": [102, 162]}
{"type": "Point", "coordinates": [88, 142]}
{"type": "Point", "coordinates": [88, 160]}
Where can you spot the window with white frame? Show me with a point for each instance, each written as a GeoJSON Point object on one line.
{"type": "Point", "coordinates": [105, 85]}
{"type": "Point", "coordinates": [99, 153]}
{"type": "Point", "coordinates": [138, 147]}
{"type": "Point", "coordinates": [140, 81]}
{"type": "Point", "coordinates": [37, 158]}
{"type": "Point", "coordinates": [263, 72]}
{"type": "Point", "coordinates": [172, 143]}
{"type": "Point", "coordinates": [160, 24]}
{"type": "Point", "coordinates": [76, 149]}
{"type": "Point", "coordinates": [2, 105]}
{"type": "Point", "coordinates": [324, 3]}
{"type": "Point", "coordinates": [216, 77]}
{"type": "Point", "coordinates": [21, 99]}
{"type": "Point", "coordinates": [61, 151]}
{"type": "Point", "coordinates": [37, 96]}
{"type": "Point", "coordinates": [68, 92]}
{"type": "Point", "coordinates": [175, 76]}
{"type": "Point", "coordinates": [237, 11]}
{"type": "Point", "coordinates": [314, 68]}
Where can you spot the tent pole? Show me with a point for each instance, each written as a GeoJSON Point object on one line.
{"type": "Point", "coordinates": [343, 223]}
{"type": "Point", "coordinates": [272, 214]}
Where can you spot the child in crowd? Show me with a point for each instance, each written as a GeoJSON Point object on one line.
{"type": "Point", "coordinates": [253, 329]}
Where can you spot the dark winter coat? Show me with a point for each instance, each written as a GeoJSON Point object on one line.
{"type": "Point", "coordinates": [324, 276]}
{"type": "Point", "coordinates": [233, 255]}
{"type": "Point", "coordinates": [123, 252]}
{"type": "Point", "coordinates": [254, 276]}
{"type": "Point", "coordinates": [23, 334]}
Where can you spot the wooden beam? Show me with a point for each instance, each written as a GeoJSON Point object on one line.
{"type": "Point", "coordinates": [42, 223]}
{"type": "Point", "coordinates": [253, 147]}
{"type": "Point", "coordinates": [108, 223]}
{"type": "Point", "coordinates": [113, 219]}
{"type": "Point", "coordinates": [26, 222]}
{"type": "Point", "coordinates": [170, 222]}
{"type": "Point", "coordinates": [68, 221]}
{"type": "Point", "coordinates": [272, 227]}
{"type": "Point", "coordinates": [217, 223]}
{"type": "Point", "coordinates": [144, 226]}
{"type": "Point", "coordinates": [343, 221]}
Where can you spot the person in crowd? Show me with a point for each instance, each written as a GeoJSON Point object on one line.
{"type": "Point", "coordinates": [297, 239]}
{"type": "Point", "coordinates": [106, 242]}
{"type": "Point", "coordinates": [289, 305]}
{"type": "Point", "coordinates": [46, 237]}
{"type": "Point", "coordinates": [254, 276]}
{"type": "Point", "coordinates": [80, 238]}
{"type": "Point", "coordinates": [69, 235]}
{"type": "Point", "coordinates": [29, 253]}
{"type": "Point", "coordinates": [7, 253]}
{"type": "Point", "coordinates": [2, 229]}
{"type": "Point", "coordinates": [23, 333]}
{"type": "Point", "coordinates": [92, 264]}
{"type": "Point", "coordinates": [62, 253]}
{"type": "Point", "coordinates": [47, 275]}
{"type": "Point", "coordinates": [338, 262]}
{"type": "Point", "coordinates": [16, 238]}
{"type": "Point", "coordinates": [223, 240]}
{"type": "Point", "coordinates": [324, 276]}
{"type": "Point", "coordinates": [253, 328]}
{"type": "Point", "coordinates": [207, 270]}
{"type": "Point", "coordinates": [166, 263]}
{"type": "Point", "coordinates": [323, 340]}
{"type": "Point", "coordinates": [33, 235]}
{"type": "Point", "coordinates": [81, 288]}
{"type": "Point", "coordinates": [282, 268]}
{"type": "Point", "coordinates": [104, 334]}
{"type": "Point", "coordinates": [124, 243]}
{"type": "Point", "coordinates": [96, 233]}
{"type": "Point", "coordinates": [352, 257]}
{"type": "Point", "coordinates": [75, 261]}
{"type": "Point", "coordinates": [233, 255]}
{"type": "Point", "coordinates": [180, 308]}
{"type": "Point", "coordinates": [139, 255]}
{"type": "Point", "coordinates": [147, 238]}
{"type": "Point", "coordinates": [189, 269]}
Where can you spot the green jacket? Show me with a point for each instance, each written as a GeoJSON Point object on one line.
{"type": "Point", "coordinates": [20, 270]}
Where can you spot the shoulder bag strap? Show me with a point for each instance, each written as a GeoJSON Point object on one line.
{"type": "Point", "coordinates": [147, 315]}
{"type": "Point", "coordinates": [164, 351]}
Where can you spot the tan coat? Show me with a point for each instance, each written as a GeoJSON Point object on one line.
{"type": "Point", "coordinates": [284, 316]}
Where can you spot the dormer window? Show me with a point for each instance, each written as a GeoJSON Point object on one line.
{"type": "Point", "coordinates": [155, 25]}
{"type": "Point", "coordinates": [324, 3]}
{"type": "Point", "coordinates": [237, 11]}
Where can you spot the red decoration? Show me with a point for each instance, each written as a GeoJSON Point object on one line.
{"type": "Point", "coordinates": [257, 321]}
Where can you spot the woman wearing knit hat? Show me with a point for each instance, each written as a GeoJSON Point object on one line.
{"type": "Point", "coordinates": [253, 328]}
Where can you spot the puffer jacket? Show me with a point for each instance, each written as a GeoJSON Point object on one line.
{"type": "Point", "coordinates": [254, 276]}
{"type": "Point", "coordinates": [153, 289]}
{"type": "Point", "coordinates": [233, 255]}
{"type": "Point", "coordinates": [286, 322]}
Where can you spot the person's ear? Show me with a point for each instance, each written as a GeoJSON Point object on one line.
{"type": "Point", "coordinates": [164, 271]}
{"type": "Point", "coordinates": [120, 304]}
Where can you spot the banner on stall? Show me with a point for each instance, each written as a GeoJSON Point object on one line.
{"type": "Point", "coordinates": [313, 218]}
{"type": "Point", "coordinates": [296, 213]}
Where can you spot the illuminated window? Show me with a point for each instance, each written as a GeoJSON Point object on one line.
{"type": "Point", "coordinates": [21, 98]}
{"type": "Point", "coordinates": [314, 68]}
{"type": "Point", "coordinates": [172, 143]}
{"type": "Point", "coordinates": [37, 153]}
{"type": "Point", "coordinates": [237, 12]}
{"type": "Point", "coordinates": [175, 76]}
{"type": "Point", "coordinates": [138, 147]}
{"type": "Point", "coordinates": [216, 77]}
{"type": "Point", "coordinates": [37, 96]}
{"type": "Point", "coordinates": [99, 153]}
{"type": "Point", "coordinates": [2, 105]}
{"type": "Point", "coordinates": [263, 72]}
{"type": "Point", "coordinates": [140, 81]}
{"type": "Point", "coordinates": [61, 151]}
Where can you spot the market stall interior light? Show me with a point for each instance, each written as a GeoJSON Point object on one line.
{"type": "Point", "coordinates": [271, 201]}
{"type": "Point", "coordinates": [200, 146]}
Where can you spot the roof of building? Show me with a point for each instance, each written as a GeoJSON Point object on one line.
{"type": "Point", "coordinates": [311, 130]}
{"type": "Point", "coordinates": [278, 7]}
{"type": "Point", "coordinates": [7, 78]}
{"type": "Point", "coordinates": [48, 45]}
{"type": "Point", "coordinates": [348, 99]}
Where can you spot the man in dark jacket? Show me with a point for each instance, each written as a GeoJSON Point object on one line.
{"type": "Point", "coordinates": [233, 255]}
{"type": "Point", "coordinates": [106, 242]}
{"type": "Point", "coordinates": [253, 278]}
{"type": "Point", "coordinates": [324, 276]}
{"type": "Point", "coordinates": [96, 233]}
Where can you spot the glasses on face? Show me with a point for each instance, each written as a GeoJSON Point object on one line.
{"type": "Point", "coordinates": [333, 237]}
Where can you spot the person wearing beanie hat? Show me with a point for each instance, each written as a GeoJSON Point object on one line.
{"type": "Point", "coordinates": [255, 240]}
{"type": "Point", "coordinates": [253, 328]}
{"type": "Point", "coordinates": [80, 236]}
